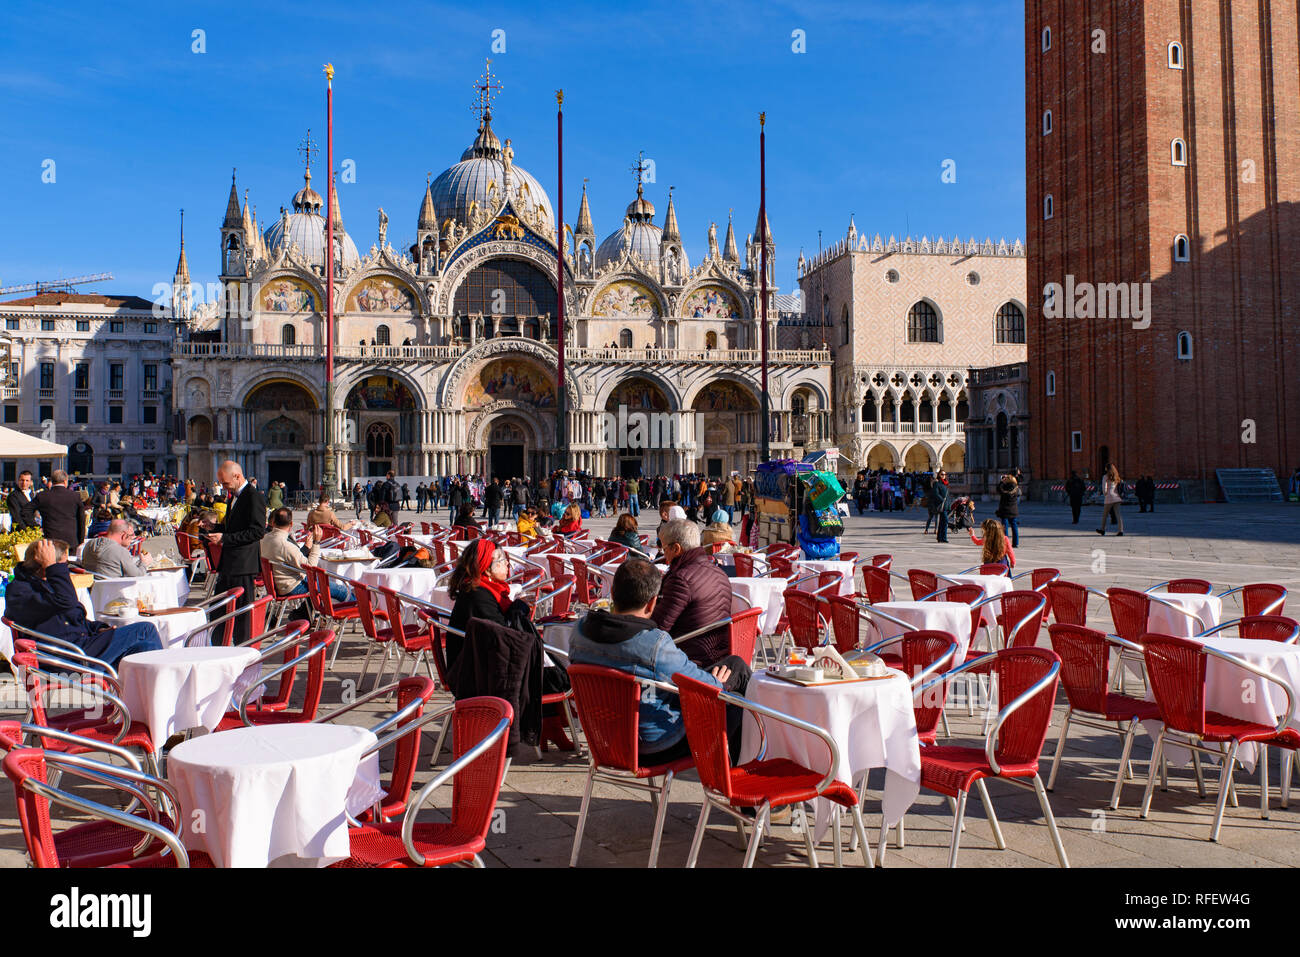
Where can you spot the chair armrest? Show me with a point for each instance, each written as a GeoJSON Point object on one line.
{"type": "Point", "coordinates": [287, 666]}
{"type": "Point", "coordinates": [1267, 676]}
{"type": "Point", "coordinates": [1006, 712]}
{"type": "Point", "coordinates": [104, 812]}
{"type": "Point", "coordinates": [449, 772]}
{"type": "Point", "coordinates": [794, 722]}
{"type": "Point", "coordinates": [922, 675]}
{"type": "Point", "coordinates": [123, 779]}
{"type": "Point", "coordinates": [703, 630]}
{"type": "Point", "coordinates": [406, 729]}
{"type": "Point", "coordinates": [357, 702]}
{"type": "Point", "coordinates": [30, 730]}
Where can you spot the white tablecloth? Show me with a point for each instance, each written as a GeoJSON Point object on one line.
{"type": "Point", "coordinates": [273, 791]}
{"type": "Point", "coordinates": [6, 521]}
{"type": "Point", "coordinates": [1166, 621]}
{"type": "Point", "coordinates": [6, 636]}
{"type": "Point", "coordinates": [950, 616]}
{"type": "Point", "coordinates": [346, 569]}
{"type": "Point", "coordinates": [817, 566]}
{"type": "Point", "coordinates": [168, 589]}
{"type": "Point", "coordinates": [992, 585]}
{"type": "Point", "coordinates": [171, 628]}
{"type": "Point", "coordinates": [872, 723]}
{"type": "Point", "coordinates": [157, 514]}
{"type": "Point", "coordinates": [764, 593]}
{"type": "Point", "coordinates": [176, 689]}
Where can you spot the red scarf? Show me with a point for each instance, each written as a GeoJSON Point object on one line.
{"type": "Point", "coordinates": [500, 590]}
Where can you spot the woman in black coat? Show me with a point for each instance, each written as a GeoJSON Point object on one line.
{"type": "Point", "coordinates": [478, 588]}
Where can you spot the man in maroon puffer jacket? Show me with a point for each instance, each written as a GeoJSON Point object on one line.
{"type": "Point", "coordinates": [695, 592]}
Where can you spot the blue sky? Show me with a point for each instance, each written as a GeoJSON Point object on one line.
{"type": "Point", "coordinates": [861, 123]}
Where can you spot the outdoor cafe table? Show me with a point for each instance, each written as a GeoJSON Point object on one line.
{"type": "Point", "coordinates": [1241, 694]}
{"type": "Point", "coordinates": [871, 722]}
{"type": "Point", "coordinates": [168, 589]}
{"type": "Point", "coordinates": [416, 582]}
{"type": "Point", "coordinates": [817, 566]}
{"type": "Point", "coordinates": [950, 616]}
{"type": "Point", "coordinates": [1166, 621]}
{"type": "Point", "coordinates": [176, 689]}
{"type": "Point", "coordinates": [764, 593]}
{"type": "Point", "coordinates": [274, 793]}
{"type": "Point", "coordinates": [172, 628]}
{"type": "Point", "coordinates": [347, 568]}
{"type": "Point", "coordinates": [992, 585]}
{"type": "Point", "coordinates": [6, 636]}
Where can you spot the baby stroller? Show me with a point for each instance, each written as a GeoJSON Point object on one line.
{"type": "Point", "coordinates": [961, 513]}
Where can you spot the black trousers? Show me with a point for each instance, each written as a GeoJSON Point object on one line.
{"type": "Point", "coordinates": [1075, 507]}
{"type": "Point", "coordinates": [242, 623]}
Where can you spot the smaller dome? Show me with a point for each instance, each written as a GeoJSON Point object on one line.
{"type": "Point", "coordinates": [308, 231]}
{"type": "Point", "coordinates": [642, 238]}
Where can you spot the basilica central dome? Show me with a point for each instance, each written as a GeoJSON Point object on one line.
{"type": "Point", "coordinates": [306, 227]}
{"type": "Point", "coordinates": [477, 184]}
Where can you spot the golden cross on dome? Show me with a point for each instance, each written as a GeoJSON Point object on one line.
{"type": "Point", "coordinates": [308, 149]}
{"type": "Point", "coordinates": [487, 91]}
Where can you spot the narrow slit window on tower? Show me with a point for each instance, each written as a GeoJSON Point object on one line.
{"type": "Point", "coordinates": [1049, 207]}
{"type": "Point", "coordinates": [1178, 153]}
{"type": "Point", "coordinates": [1184, 345]}
{"type": "Point", "coordinates": [1175, 56]}
{"type": "Point", "coordinates": [1047, 122]}
{"type": "Point", "coordinates": [1182, 249]}
{"type": "Point", "coordinates": [1051, 383]}
{"type": "Point", "coordinates": [1047, 39]}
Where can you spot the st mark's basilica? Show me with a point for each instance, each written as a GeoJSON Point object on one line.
{"type": "Point", "coordinates": [446, 351]}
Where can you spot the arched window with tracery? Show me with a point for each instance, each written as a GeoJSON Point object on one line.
{"type": "Point", "coordinates": [922, 323]}
{"type": "Point", "coordinates": [379, 441]}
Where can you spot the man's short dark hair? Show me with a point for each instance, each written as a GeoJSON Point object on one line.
{"type": "Point", "coordinates": [26, 472]}
{"type": "Point", "coordinates": [635, 583]}
{"type": "Point", "coordinates": [282, 518]}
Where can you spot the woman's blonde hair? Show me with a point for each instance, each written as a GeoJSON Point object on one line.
{"type": "Point", "coordinates": [995, 542]}
{"type": "Point", "coordinates": [573, 512]}
{"type": "Point", "coordinates": [1112, 473]}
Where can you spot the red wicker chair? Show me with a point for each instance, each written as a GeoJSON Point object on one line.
{"type": "Point", "coordinates": [480, 735]}
{"type": "Point", "coordinates": [1068, 601]}
{"type": "Point", "coordinates": [1020, 616]}
{"type": "Point", "coordinates": [277, 711]}
{"type": "Point", "coordinates": [877, 584]}
{"type": "Point", "coordinates": [1026, 680]}
{"type": "Point", "coordinates": [1176, 673]}
{"type": "Point", "coordinates": [760, 784]}
{"type": "Point", "coordinates": [1260, 628]}
{"type": "Point", "coordinates": [1183, 586]}
{"type": "Point", "coordinates": [923, 583]}
{"type": "Point", "coordinates": [1259, 599]}
{"type": "Point", "coordinates": [609, 703]}
{"type": "Point", "coordinates": [1085, 674]}
{"type": "Point", "coordinates": [803, 610]}
{"type": "Point", "coordinates": [113, 838]}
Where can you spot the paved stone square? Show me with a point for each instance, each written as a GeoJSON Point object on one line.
{"type": "Point", "coordinates": [1225, 544]}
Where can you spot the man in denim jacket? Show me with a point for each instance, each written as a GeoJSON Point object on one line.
{"type": "Point", "coordinates": [626, 638]}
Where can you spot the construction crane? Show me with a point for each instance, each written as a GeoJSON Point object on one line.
{"type": "Point", "coordinates": [55, 285]}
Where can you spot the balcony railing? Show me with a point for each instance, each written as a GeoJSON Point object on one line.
{"type": "Point", "coordinates": [248, 350]}
{"type": "Point", "coordinates": [81, 393]}
{"type": "Point", "coordinates": [116, 395]}
{"type": "Point", "coordinates": [944, 427]}
{"type": "Point", "coordinates": [45, 393]}
{"type": "Point", "coordinates": [11, 392]}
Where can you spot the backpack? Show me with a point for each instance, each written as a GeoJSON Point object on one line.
{"type": "Point", "coordinates": [391, 495]}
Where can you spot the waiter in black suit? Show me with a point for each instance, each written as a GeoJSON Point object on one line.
{"type": "Point", "coordinates": [22, 503]}
{"type": "Point", "coordinates": [240, 540]}
{"type": "Point", "coordinates": [61, 511]}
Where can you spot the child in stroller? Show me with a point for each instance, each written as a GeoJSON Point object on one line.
{"type": "Point", "coordinates": [961, 513]}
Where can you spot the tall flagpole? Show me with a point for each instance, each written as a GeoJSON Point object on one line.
{"type": "Point", "coordinates": [561, 403]}
{"type": "Point", "coordinates": [330, 479]}
{"type": "Point", "coordinates": [762, 258]}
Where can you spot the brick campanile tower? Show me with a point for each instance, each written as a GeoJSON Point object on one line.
{"type": "Point", "coordinates": [1163, 148]}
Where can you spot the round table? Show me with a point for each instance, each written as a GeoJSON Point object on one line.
{"type": "Point", "coordinates": [7, 638]}
{"type": "Point", "coordinates": [1166, 621]}
{"type": "Point", "coordinates": [168, 589]}
{"type": "Point", "coordinates": [765, 593]}
{"type": "Point", "coordinates": [817, 566]}
{"type": "Point", "coordinates": [992, 585]}
{"type": "Point", "coordinates": [252, 796]}
{"type": "Point", "coordinates": [950, 616]}
{"type": "Point", "coordinates": [871, 722]}
{"type": "Point", "coordinates": [1238, 693]}
{"type": "Point", "coordinates": [176, 689]}
{"type": "Point", "coordinates": [172, 629]}
{"type": "Point", "coordinates": [349, 568]}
